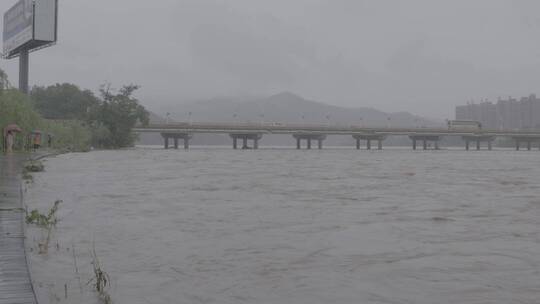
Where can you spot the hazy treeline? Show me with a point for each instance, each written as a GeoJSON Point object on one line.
{"type": "Point", "coordinates": [76, 118]}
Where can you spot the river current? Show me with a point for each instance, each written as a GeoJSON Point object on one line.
{"type": "Point", "coordinates": [214, 225]}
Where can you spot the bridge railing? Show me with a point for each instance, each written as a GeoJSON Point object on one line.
{"type": "Point", "coordinates": [277, 127]}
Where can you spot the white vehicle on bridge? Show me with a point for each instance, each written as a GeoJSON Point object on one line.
{"type": "Point", "coordinates": [465, 125]}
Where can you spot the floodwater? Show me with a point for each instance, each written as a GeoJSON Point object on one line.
{"type": "Point", "coordinates": [215, 225]}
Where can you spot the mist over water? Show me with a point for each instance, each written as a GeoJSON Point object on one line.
{"type": "Point", "coordinates": [215, 225]}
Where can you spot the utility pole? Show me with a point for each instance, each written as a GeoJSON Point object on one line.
{"type": "Point", "coordinates": [24, 70]}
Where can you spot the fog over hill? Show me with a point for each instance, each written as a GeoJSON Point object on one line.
{"type": "Point", "coordinates": [284, 107]}
{"type": "Point", "coordinates": [287, 107]}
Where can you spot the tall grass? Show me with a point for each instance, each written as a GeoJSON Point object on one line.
{"type": "Point", "coordinates": [70, 135]}
{"type": "Point", "coordinates": [46, 222]}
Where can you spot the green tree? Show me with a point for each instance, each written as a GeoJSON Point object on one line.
{"type": "Point", "coordinates": [118, 112]}
{"type": "Point", "coordinates": [75, 117]}
{"type": "Point", "coordinates": [63, 101]}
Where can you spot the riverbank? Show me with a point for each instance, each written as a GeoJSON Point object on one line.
{"type": "Point", "coordinates": [15, 280]}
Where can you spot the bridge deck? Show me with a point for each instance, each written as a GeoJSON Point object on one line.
{"type": "Point", "coordinates": [271, 128]}
{"type": "Point", "coordinates": [15, 283]}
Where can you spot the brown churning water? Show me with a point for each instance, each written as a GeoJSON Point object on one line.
{"type": "Point", "coordinates": [287, 226]}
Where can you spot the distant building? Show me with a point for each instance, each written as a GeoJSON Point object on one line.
{"type": "Point", "coordinates": [505, 114]}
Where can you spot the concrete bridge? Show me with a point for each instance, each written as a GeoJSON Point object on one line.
{"type": "Point", "coordinates": [253, 132]}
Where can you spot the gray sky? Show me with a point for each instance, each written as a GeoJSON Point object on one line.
{"type": "Point", "coordinates": [421, 56]}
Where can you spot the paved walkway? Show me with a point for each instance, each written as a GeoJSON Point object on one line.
{"type": "Point", "coordinates": [15, 284]}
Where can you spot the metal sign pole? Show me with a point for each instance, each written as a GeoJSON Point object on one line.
{"type": "Point", "coordinates": [23, 71]}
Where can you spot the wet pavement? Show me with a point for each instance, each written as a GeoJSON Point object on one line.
{"type": "Point", "coordinates": [15, 283]}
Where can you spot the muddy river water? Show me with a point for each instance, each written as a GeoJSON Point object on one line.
{"type": "Point", "coordinates": [213, 225]}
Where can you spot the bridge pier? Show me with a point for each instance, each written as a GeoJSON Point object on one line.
{"type": "Point", "coordinates": [368, 138]}
{"type": "Point", "coordinates": [308, 137]}
{"type": "Point", "coordinates": [528, 140]}
{"type": "Point", "coordinates": [175, 137]}
{"type": "Point", "coordinates": [425, 139]}
{"type": "Point", "coordinates": [478, 139]}
{"type": "Point", "coordinates": [255, 137]}
{"type": "Point", "coordinates": [247, 132]}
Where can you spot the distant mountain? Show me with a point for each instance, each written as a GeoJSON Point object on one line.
{"type": "Point", "coordinates": [287, 107]}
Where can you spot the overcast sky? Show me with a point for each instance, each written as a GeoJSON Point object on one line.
{"type": "Point", "coordinates": [421, 56]}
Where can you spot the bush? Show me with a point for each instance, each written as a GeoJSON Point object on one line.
{"type": "Point", "coordinates": [71, 135]}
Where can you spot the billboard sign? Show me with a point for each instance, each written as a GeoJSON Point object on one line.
{"type": "Point", "coordinates": [29, 24]}
{"type": "Point", "coordinates": [18, 25]}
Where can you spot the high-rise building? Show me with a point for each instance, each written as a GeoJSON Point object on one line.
{"type": "Point", "coordinates": [508, 114]}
